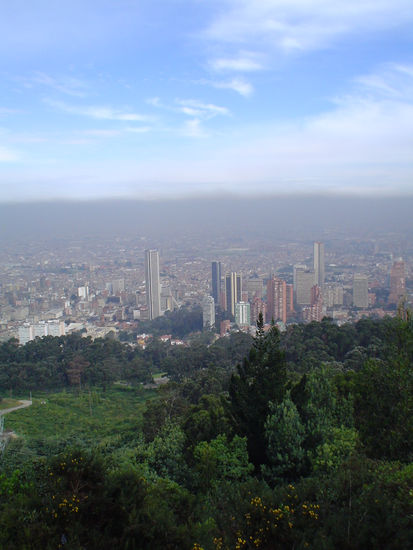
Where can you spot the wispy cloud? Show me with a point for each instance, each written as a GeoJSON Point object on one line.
{"type": "Point", "coordinates": [195, 108]}
{"type": "Point", "coordinates": [97, 111]}
{"type": "Point", "coordinates": [239, 85]}
{"type": "Point", "coordinates": [68, 85]}
{"type": "Point", "coordinates": [300, 25]}
{"type": "Point", "coordinates": [394, 81]}
{"type": "Point", "coordinates": [193, 128]}
{"type": "Point", "coordinates": [243, 63]}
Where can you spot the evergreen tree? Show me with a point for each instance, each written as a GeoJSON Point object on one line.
{"type": "Point", "coordinates": [259, 380]}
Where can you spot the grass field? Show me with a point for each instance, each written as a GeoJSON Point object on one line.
{"type": "Point", "coordinates": [90, 415]}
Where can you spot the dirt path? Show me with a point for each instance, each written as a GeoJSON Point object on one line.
{"type": "Point", "coordinates": [24, 403]}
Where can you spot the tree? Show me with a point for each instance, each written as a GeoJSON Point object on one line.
{"type": "Point", "coordinates": [285, 434]}
{"type": "Point", "coordinates": [221, 460]}
{"type": "Point", "coordinates": [259, 380]}
{"type": "Point", "coordinates": [76, 369]}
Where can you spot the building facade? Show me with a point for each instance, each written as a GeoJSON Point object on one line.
{"type": "Point", "coordinates": [153, 285]}
{"type": "Point", "coordinates": [233, 291]}
{"type": "Point", "coordinates": [276, 300]}
{"type": "Point", "coordinates": [305, 280]}
{"type": "Point", "coordinates": [216, 281]}
{"type": "Point", "coordinates": [397, 282]}
{"type": "Point", "coordinates": [360, 291]}
{"type": "Point", "coordinates": [208, 312]}
{"type": "Point", "coordinates": [243, 314]}
{"type": "Point", "coordinates": [319, 264]}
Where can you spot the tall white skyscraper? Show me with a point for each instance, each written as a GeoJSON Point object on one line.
{"type": "Point", "coordinates": [243, 314]}
{"type": "Point", "coordinates": [319, 266]}
{"type": "Point", "coordinates": [153, 285]}
{"type": "Point", "coordinates": [208, 312]}
{"type": "Point", "coordinates": [360, 291]}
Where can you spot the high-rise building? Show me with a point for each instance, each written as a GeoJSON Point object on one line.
{"type": "Point", "coordinates": [153, 285]}
{"type": "Point", "coordinates": [297, 267]}
{"type": "Point", "coordinates": [305, 280]}
{"type": "Point", "coordinates": [360, 290]}
{"type": "Point", "coordinates": [216, 281]}
{"type": "Point", "coordinates": [290, 300]}
{"type": "Point", "coordinates": [319, 266]}
{"type": "Point", "coordinates": [243, 314]}
{"type": "Point", "coordinates": [258, 306]}
{"type": "Point", "coordinates": [397, 282]}
{"type": "Point", "coordinates": [208, 312]}
{"type": "Point", "coordinates": [276, 300]}
{"type": "Point", "coordinates": [233, 291]}
{"type": "Point", "coordinates": [314, 312]}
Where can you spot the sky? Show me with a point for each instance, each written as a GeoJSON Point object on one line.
{"type": "Point", "coordinates": [173, 98]}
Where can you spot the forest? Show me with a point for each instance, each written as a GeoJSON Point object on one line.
{"type": "Point", "coordinates": [294, 440]}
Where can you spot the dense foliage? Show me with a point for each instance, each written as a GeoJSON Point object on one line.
{"type": "Point", "coordinates": [300, 440]}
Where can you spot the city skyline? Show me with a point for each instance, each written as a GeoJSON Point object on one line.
{"type": "Point", "coordinates": [99, 285]}
{"type": "Point", "coordinates": [144, 100]}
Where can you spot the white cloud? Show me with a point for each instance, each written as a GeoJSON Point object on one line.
{"type": "Point", "coordinates": [238, 85]}
{"type": "Point", "coordinates": [394, 81]}
{"type": "Point", "coordinates": [66, 84]}
{"type": "Point", "coordinates": [195, 108]}
{"type": "Point", "coordinates": [240, 64]}
{"type": "Point", "coordinates": [97, 111]}
{"type": "Point", "coordinates": [192, 128]}
{"type": "Point", "coordinates": [290, 25]}
{"type": "Point", "coordinates": [364, 143]}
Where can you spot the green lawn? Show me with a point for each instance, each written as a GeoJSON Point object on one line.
{"type": "Point", "coordinates": [93, 415]}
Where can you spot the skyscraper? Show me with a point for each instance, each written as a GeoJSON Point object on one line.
{"type": "Point", "coordinates": [319, 266]}
{"type": "Point", "coordinates": [305, 280]}
{"type": "Point", "coordinates": [153, 285]}
{"type": "Point", "coordinates": [276, 300]}
{"type": "Point", "coordinates": [233, 291]}
{"type": "Point", "coordinates": [397, 282]}
{"type": "Point", "coordinates": [208, 312]}
{"type": "Point", "coordinates": [243, 314]}
{"type": "Point", "coordinates": [360, 290]}
{"type": "Point", "coordinates": [257, 306]}
{"type": "Point", "coordinates": [216, 281]}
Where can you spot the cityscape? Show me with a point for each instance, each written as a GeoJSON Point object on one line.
{"type": "Point", "coordinates": [108, 289]}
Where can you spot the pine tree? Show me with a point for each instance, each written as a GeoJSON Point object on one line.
{"type": "Point", "coordinates": [259, 381]}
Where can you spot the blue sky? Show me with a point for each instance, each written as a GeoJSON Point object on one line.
{"type": "Point", "coordinates": [127, 98]}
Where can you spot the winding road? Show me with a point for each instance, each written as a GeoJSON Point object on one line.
{"type": "Point", "coordinates": [24, 403]}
